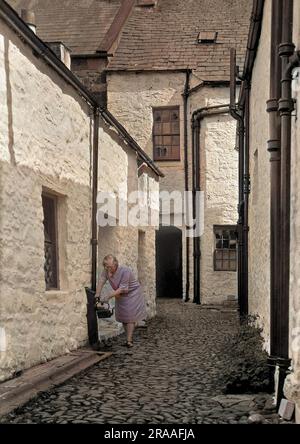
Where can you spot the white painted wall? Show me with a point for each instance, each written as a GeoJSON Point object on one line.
{"type": "Point", "coordinates": [259, 199]}
{"type": "Point", "coordinates": [131, 97]}
{"type": "Point", "coordinates": [46, 143]}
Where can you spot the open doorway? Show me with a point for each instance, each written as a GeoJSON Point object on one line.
{"type": "Point", "coordinates": [169, 262]}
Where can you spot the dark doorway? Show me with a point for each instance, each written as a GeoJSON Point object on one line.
{"type": "Point", "coordinates": [169, 262]}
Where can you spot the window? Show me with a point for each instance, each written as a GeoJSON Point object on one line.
{"type": "Point", "coordinates": [207, 37]}
{"type": "Point", "coordinates": [50, 241]}
{"type": "Point", "coordinates": [225, 255]}
{"type": "Point", "coordinates": [166, 133]}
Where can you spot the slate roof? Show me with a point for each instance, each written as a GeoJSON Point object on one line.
{"type": "Point", "coordinates": [79, 24]}
{"type": "Point", "coordinates": [165, 37]}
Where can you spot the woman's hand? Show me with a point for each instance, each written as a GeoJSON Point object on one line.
{"type": "Point", "coordinates": [105, 298]}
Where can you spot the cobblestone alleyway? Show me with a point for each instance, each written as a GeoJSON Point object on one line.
{"type": "Point", "coordinates": [170, 376]}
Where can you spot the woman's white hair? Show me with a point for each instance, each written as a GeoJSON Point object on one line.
{"type": "Point", "coordinates": [110, 258]}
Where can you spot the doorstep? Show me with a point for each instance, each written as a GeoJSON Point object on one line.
{"type": "Point", "coordinates": [16, 392]}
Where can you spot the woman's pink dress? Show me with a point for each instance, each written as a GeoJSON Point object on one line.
{"type": "Point", "coordinates": [130, 306]}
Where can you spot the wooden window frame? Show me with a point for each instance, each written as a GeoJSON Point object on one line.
{"type": "Point", "coordinates": [55, 285]}
{"type": "Point", "coordinates": [223, 250]}
{"type": "Point", "coordinates": [166, 158]}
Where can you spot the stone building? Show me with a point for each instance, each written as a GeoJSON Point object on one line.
{"type": "Point", "coordinates": [58, 150]}
{"type": "Point", "coordinates": [268, 106]}
{"type": "Point", "coordinates": [164, 60]}
{"type": "Point", "coordinates": [173, 59]}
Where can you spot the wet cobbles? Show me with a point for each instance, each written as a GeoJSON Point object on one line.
{"type": "Point", "coordinates": [171, 376]}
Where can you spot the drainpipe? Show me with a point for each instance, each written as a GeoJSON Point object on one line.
{"type": "Point", "coordinates": [197, 117]}
{"type": "Point", "coordinates": [275, 166]}
{"type": "Point", "coordinates": [94, 240]}
{"type": "Point", "coordinates": [246, 191]}
{"type": "Point", "coordinates": [91, 313]}
{"type": "Point", "coordinates": [286, 106]}
{"type": "Point", "coordinates": [186, 176]}
{"type": "Point", "coordinates": [238, 113]}
{"type": "Point", "coordinates": [196, 189]}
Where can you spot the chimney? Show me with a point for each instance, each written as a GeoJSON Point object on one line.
{"type": "Point", "coordinates": [62, 52]}
{"type": "Point", "coordinates": [29, 18]}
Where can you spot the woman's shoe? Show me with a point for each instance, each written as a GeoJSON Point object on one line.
{"type": "Point", "coordinates": [128, 344]}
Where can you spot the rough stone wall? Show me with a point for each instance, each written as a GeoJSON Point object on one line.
{"type": "Point", "coordinates": [292, 387]}
{"type": "Point", "coordinates": [259, 201]}
{"type": "Point", "coordinates": [46, 144]}
{"type": "Point", "coordinates": [118, 172]}
{"type": "Point", "coordinates": [221, 195]}
{"type": "Point", "coordinates": [131, 97]}
{"type": "Point", "coordinates": [91, 73]}
{"type": "Point", "coordinates": [219, 181]}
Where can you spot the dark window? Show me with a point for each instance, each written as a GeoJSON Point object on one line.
{"type": "Point", "coordinates": [50, 241]}
{"type": "Point", "coordinates": [225, 254]}
{"type": "Point", "coordinates": [166, 133]}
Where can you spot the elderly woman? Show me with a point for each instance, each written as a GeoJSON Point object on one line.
{"type": "Point", "coordinates": [130, 304]}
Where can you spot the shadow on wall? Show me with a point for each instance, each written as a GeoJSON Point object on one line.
{"type": "Point", "coordinates": [9, 102]}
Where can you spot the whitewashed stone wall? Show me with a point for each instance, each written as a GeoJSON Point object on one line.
{"type": "Point", "coordinates": [259, 200]}
{"type": "Point", "coordinates": [46, 144]}
{"type": "Point", "coordinates": [219, 181]}
{"type": "Point", "coordinates": [292, 387]}
{"type": "Point", "coordinates": [131, 97]}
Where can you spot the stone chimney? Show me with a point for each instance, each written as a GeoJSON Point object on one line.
{"type": "Point", "coordinates": [29, 18]}
{"type": "Point", "coordinates": [62, 52]}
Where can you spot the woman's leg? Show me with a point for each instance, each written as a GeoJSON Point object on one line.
{"type": "Point", "coordinates": [129, 331]}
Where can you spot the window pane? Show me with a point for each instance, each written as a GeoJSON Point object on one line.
{"type": "Point", "coordinates": [157, 128]}
{"type": "Point", "coordinates": [157, 116]}
{"type": "Point", "coordinates": [225, 243]}
{"type": "Point", "coordinates": [175, 127]}
{"type": "Point", "coordinates": [219, 255]}
{"type": "Point", "coordinates": [176, 140]}
{"type": "Point", "coordinates": [232, 266]}
{"type": "Point", "coordinates": [225, 265]}
{"type": "Point", "coordinates": [233, 255]}
{"type": "Point", "coordinates": [161, 152]}
{"type": "Point", "coordinates": [174, 153]}
{"type": "Point", "coordinates": [165, 114]}
{"type": "Point", "coordinates": [167, 140]}
{"type": "Point", "coordinates": [232, 244]}
{"type": "Point", "coordinates": [218, 265]}
{"type": "Point", "coordinates": [158, 140]}
{"type": "Point", "coordinates": [225, 254]}
{"type": "Point", "coordinates": [166, 128]}
{"type": "Point", "coordinates": [175, 114]}
{"type": "Point", "coordinates": [219, 244]}
{"type": "Point", "coordinates": [50, 244]}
